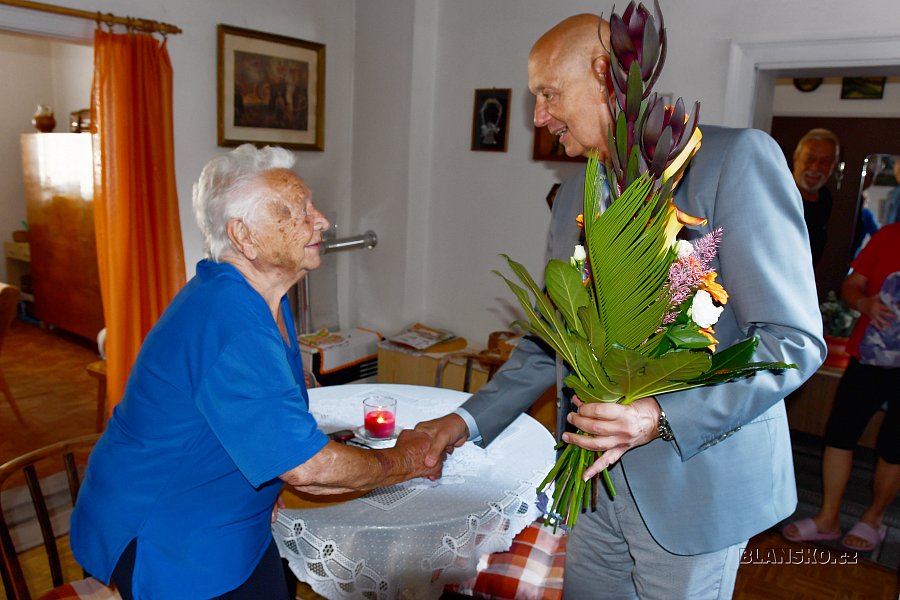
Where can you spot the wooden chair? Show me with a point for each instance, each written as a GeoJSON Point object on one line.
{"type": "Point", "coordinates": [43, 462]}
{"type": "Point", "coordinates": [9, 302]}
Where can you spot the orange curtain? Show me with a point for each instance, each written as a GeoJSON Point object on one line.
{"type": "Point", "coordinates": [138, 231]}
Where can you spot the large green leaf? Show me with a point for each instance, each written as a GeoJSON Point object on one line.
{"type": "Point", "coordinates": [543, 303]}
{"type": "Point", "coordinates": [629, 262]}
{"type": "Point", "coordinates": [736, 354]}
{"type": "Point", "coordinates": [623, 365]}
{"type": "Point", "coordinates": [724, 375]}
{"type": "Point", "coordinates": [537, 325]}
{"type": "Point", "coordinates": [687, 336]}
{"type": "Point", "coordinates": [591, 369]}
{"type": "Point", "coordinates": [588, 394]}
{"type": "Point", "coordinates": [593, 331]}
{"type": "Point", "coordinates": [672, 366]}
{"type": "Point", "coordinates": [564, 284]}
{"type": "Point", "coordinates": [546, 308]}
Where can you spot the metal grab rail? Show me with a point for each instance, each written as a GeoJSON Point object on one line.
{"type": "Point", "coordinates": [366, 240]}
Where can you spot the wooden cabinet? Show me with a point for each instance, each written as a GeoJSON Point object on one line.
{"type": "Point", "coordinates": [396, 366]}
{"type": "Point", "coordinates": [59, 190]}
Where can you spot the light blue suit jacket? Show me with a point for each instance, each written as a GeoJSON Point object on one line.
{"type": "Point", "coordinates": [729, 474]}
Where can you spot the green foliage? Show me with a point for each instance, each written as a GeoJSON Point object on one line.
{"type": "Point", "coordinates": [838, 319]}
{"type": "Point", "coordinates": [609, 332]}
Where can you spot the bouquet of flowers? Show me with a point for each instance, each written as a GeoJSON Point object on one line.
{"type": "Point", "coordinates": [632, 312]}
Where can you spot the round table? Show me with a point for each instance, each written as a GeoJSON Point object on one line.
{"type": "Point", "coordinates": [408, 540]}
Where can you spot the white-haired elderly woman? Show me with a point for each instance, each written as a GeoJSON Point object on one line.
{"type": "Point", "coordinates": [179, 491]}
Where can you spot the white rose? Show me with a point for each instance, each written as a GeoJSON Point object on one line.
{"type": "Point", "coordinates": [684, 248]}
{"type": "Point", "coordinates": [703, 312]}
{"type": "Point", "coordinates": [580, 254]}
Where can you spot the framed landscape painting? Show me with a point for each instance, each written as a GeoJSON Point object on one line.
{"type": "Point", "coordinates": [271, 90]}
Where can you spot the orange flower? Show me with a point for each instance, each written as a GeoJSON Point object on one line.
{"type": "Point", "coordinates": [580, 220]}
{"type": "Point", "coordinates": [708, 333]}
{"type": "Point", "coordinates": [715, 290]}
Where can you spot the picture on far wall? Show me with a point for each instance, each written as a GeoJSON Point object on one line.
{"type": "Point", "coordinates": [490, 119]}
{"type": "Point", "coordinates": [862, 88]}
{"type": "Point", "coordinates": [547, 147]}
{"type": "Point", "coordinates": [271, 90]}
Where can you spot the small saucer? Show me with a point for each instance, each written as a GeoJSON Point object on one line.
{"type": "Point", "coordinates": [375, 442]}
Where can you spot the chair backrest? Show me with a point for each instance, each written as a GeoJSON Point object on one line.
{"type": "Point", "coordinates": [30, 468]}
{"type": "Point", "coordinates": [9, 302]}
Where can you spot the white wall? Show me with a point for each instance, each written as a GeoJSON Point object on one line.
{"type": "Point", "coordinates": [27, 63]}
{"type": "Point", "coordinates": [43, 71]}
{"type": "Point", "coordinates": [400, 82]}
{"type": "Point", "coordinates": [825, 101]}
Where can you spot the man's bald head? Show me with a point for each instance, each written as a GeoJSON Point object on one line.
{"type": "Point", "coordinates": [567, 73]}
{"type": "Point", "coordinates": [576, 37]}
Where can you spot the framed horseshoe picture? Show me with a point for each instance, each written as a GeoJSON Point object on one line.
{"type": "Point", "coordinates": [490, 120]}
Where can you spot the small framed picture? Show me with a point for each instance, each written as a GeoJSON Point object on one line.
{"type": "Point", "coordinates": [271, 90]}
{"type": "Point", "coordinates": [862, 88]}
{"type": "Point", "coordinates": [490, 120]}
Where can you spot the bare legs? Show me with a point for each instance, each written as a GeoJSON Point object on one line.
{"type": "Point", "coordinates": [886, 486]}
{"type": "Point", "coordinates": [836, 467]}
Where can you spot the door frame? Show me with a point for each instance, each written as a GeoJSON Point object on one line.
{"type": "Point", "coordinates": [753, 67]}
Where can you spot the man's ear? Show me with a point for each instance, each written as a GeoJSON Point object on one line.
{"type": "Point", "coordinates": [241, 238]}
{"type": "Point", "coordinates": [600, 68]}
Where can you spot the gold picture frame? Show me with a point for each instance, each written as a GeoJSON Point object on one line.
{"type": "Point", "coordinates": [271, 90]}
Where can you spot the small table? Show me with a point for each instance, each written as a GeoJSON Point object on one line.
{"type": "Point", "coordinates": [409, 540]}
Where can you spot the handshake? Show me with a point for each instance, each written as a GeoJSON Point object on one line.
{"type": "Point", "coordinates": [420, 452]}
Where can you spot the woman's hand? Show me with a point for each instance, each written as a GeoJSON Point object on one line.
{"type": "Point", "coordinates": [853, 291]}
{"type": "Point", "coordinates": [878, 312]}
{"type": "Point", "coordinates": [338, 468]}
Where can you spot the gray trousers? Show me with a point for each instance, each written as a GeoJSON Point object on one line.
{"type": "Point", "coordinates": [611, 555]}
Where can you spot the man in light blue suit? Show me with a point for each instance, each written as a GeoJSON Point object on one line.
{"type": "Point", "coordinates": [697, 472]}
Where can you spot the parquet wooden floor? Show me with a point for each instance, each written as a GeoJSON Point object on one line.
{"type": "Point", "coordinates": [46, 371]}
{"type": "Point", "coordinates": [800, 577]}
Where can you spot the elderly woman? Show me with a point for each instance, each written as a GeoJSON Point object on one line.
{"type": "Point", "coordinates": [178, 494]}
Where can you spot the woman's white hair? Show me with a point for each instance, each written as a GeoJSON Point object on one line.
{"type": "Point", "coordinates": [228, 188]}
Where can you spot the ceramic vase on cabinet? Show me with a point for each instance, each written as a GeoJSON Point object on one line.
{"type": "Point", "coordinates": [43, 119]}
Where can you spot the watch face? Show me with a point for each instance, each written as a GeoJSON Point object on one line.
{"type": "Point", "coordinates": [807, 84]}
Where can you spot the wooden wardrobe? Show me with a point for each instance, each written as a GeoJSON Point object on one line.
{"type": "Point", "coordinates": [59, 189]}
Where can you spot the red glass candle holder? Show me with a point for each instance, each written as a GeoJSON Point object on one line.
{"type": "Point", "coordinates": [379, 417]}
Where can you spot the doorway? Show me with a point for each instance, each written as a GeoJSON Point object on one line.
{"type": "Point", "coordinates": [860, 137]}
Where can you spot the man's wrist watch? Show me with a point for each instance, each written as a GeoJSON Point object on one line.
{"type": "Point", "coordinates": [663, 428]}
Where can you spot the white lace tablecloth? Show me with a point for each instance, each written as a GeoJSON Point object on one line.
{"type": "Point", "coordinates": [408, 540]}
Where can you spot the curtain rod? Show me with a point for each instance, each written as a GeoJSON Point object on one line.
{"type": "Point", "coordinates": [145, 25]}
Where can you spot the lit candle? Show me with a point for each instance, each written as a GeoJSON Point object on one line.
{"type": "Point", "coordinates": [379, 423]}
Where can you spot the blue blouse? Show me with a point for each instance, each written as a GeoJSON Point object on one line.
{"type": "Point", "coordinates": [215, 410]}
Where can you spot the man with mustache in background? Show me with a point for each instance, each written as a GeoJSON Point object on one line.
{"type": "Point", "coordinates": [814, 159]}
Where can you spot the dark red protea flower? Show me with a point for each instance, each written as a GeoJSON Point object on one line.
{"type": "Point", "coordinates": [647, 136]}
{"type": "Point", "coordinates": [665, 132]}
{"type": "Point", "coordinates": [637, 42]}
